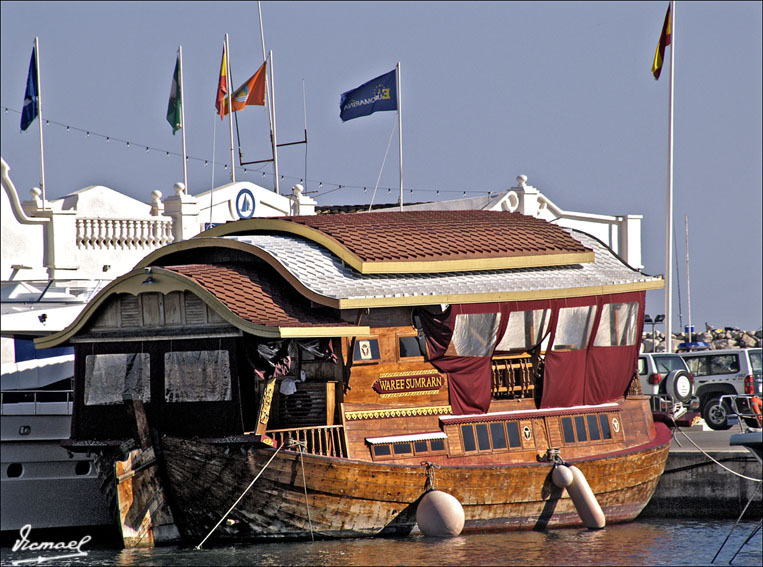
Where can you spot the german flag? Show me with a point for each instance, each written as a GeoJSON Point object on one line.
{"type": "Point", "coordinates": [659, 55]}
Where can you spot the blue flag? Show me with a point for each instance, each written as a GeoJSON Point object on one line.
{"type": "Point", "coordinates": [31, 106]}
{"type": "Point", "coordinates": [375, 95]}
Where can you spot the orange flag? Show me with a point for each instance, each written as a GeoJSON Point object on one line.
{"type": "Point", "coordinates": [222, 88]}
{"type": "Point", "coordinates": [252, 92]}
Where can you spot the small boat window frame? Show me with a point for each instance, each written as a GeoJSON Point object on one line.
{"type": "Point", "coordinates": [512, 442]}
{"type": "Point", "coordinates": [399, 350]}
{"type": "Point", "coordinates": [574, 434]}
{"type": "Point", "coordinates": [386, 451]}
{"type": "Point", "coordinates": [375, 350]}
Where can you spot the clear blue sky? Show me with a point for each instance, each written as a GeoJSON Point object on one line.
{"type": "Point", "coordinates": [559, 91]}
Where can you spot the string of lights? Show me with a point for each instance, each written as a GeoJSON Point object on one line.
{"type": "Point", "coordinates": [324, 188]}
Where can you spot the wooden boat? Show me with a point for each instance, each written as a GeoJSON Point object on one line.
{"type": "Point", "coordinates": [319, 376]}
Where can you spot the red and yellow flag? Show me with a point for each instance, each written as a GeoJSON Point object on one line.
{"type": "Point", "coordinates": [222, 88]}
{"type": "Point", "coordinates": [252, 92]}
{"type": "Point", "coordinates": [659, 55]}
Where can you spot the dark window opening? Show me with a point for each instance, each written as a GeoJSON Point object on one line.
{"type": "Point", "coordinates": [15, 470]}
{"type": "Point", "coordinates": [513, 430]}
{"type": "Point", "coordinates": [569, 434]}
{"type": "Point", "coordinates": [437, 444]}
{"type": "Point", "coordinates": [580, 428]}
{"type": "Point", "coordinates": [483, 439]}
{"type": "Point", "coordinates": [409, 346]}
{"type": "Point", "coordinates": [593, 427]}
{"type": "Point", "coordinates": [605, 431]}
{"type": "Point", "coordinates": [420, 447]}
{"type": "Point", "coordinates": [498, 434]}
{"type": "Point", "coordinates": [402, 448]}
{"type": "Point", "coordinates": [467, 432]}
{"type": "Point", "coordinates": [82, 468]}
{"type": "Point", "coordinates": [381, 451]}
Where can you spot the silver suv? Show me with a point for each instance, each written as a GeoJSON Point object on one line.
{"type": "Point", "coordinates": [722, 372]}
{"type": "Point", "coordinates": [666, 378]}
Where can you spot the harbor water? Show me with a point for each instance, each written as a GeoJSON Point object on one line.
{"type": "Point", "coordinates": [643, 542]}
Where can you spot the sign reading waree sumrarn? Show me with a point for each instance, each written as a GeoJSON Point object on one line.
{"type": "Point", "coordinates": [411, 383]}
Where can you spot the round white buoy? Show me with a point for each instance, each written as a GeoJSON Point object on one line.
{"type": "Point", "coordinates": [561, 476]}
{"type": "Point", "coordinates": [440, 515]}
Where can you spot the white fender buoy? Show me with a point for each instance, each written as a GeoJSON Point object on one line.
{"type": "Point", "coordinates": [440, 515]}
{"type": "Point", "coordinates": [561, 476]}
{"type": "Point", "coordinates": [584, 500]}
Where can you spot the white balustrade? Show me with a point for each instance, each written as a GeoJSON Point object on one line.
{"type": "Point", "coordinates": [123, 233]}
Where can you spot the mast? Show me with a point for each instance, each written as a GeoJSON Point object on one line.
{"type": "Point", "coordinates": [39, 111]}
{"type": "Point", "coordinates": [182, 118]}
{"type": "Point", "coordinates": [669, 208]}
{"type": "Point", "coordinates": [400, 131]}
{"type": "Point", "coordinates": [270, 96]}
{"type": "Point", "coordinates": [229, 99]}
{"type": "Point", "coordinates": [688, 284]}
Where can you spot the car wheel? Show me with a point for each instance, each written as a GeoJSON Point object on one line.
{"type": "Point", "coordinates": [716, 414]}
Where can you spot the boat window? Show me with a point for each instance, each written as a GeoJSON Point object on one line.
{"type": "Point", "coordinates": [618, 325]}
{"type": "Point", "coordinates": [525, 329]}
{"type": "Point", "coordinates": [366, 350]}
{"type": "Point", "coordinates": [580, 428]}
{"type": "Point", "coordinates": [109, 376]}
{"type": "Point", "coordinates": [593, 427]}
{"type": "Point", "coordinates": [381, 450]}
{"type": "Point", "coordinates": [606, 433]}
{"type": "Point", "coordinates": [573, 328]}
{"type": "Point", "coordinates": [402, 448]}
{"type": "Point", "coordinates": [409, 347]}
{"type": "Point", "coordinates": [437, 444]}
{"type": "Point", "coordinates": [512, 428]}
{"type": "Point", "coordinates": [498, 435]}
{"type": "Point", "coordinates": [420, 447]}
{"type": "Point", "coordinates": [467, 432]}
{"type": "Point", "coordinates": [197, 376]}
{"type": "Point", "coordinates": [569, 434]}
{"type": "Point", "coordinates": [474, 334]}
{"type": "Point", "coordinates": [483, 439]}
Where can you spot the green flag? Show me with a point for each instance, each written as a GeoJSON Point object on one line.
{"type": "Point", "coordinates": [176, 98]}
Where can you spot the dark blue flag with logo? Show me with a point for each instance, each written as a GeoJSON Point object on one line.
{"type": "Point", "coordinates": [375, 95]}
{"type": "Point", "coordinates": [31, 108]}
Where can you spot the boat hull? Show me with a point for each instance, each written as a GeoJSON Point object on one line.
{"type": "Point", "coordinates": [345, 498]}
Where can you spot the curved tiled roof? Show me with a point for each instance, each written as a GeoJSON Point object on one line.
{"type": "Point", "coordinates": [427, 241]}
{"type": "Point", "coordinates": [257, 294]}
{"type": "Point", "coordinates": [327, 280]}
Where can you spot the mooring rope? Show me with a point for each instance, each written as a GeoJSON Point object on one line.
{"type": "Point", "coordinates": [304, 485]}
{"type": "Point", "coordinates": [239, 498]}
{"type": "Point", "coordinates": [755, 492]}
{"type": "Point", "coordinates": [712, 459]}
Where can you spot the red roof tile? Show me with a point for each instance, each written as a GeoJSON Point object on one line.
{"type": "Point", "coordinates": [258, 295]}
{"type": "Point", "coordinates": [442, 235]}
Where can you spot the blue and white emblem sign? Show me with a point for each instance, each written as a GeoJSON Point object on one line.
{"type": "Point", "coordinates": [245, 204]}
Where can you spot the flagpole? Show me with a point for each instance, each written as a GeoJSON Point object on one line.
{"type": "Point", "coordinates": [182, 118]}
{"type": "Point", "coordinates": [273, 123]}
{"type": "Point", "coordinates": [669, 207]}
{"type": "Point", "coordinates": [270, 96]}
{"type": "Point", "coordinates": [400, 131]}
{"type": "Point", "coordinates": [229, 100]}
{"type": "Point", "coordinates": [39, 111]}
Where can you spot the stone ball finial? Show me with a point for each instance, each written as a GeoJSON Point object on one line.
{"type": "Point", "coordinates": [156, 195]}
{"type": "Point", "coordinates": [522, 180]}
{"type": "Point", "coordinates": [297, 189]}
{"type": "Point", "coordinates": [36, 192]}
{"type": "Point", "coordinates": [179, 188]}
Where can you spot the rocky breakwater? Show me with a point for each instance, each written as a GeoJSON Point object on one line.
{"type": "Point", "coordinates": [721, 338]}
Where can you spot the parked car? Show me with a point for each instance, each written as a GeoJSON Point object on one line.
{"type": "Point", "coordinates": [724, 372]}
{"type": "Point", "coordinates": [666, 378]}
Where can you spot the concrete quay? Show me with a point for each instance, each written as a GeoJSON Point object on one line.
{"type": "Point", "coordinates": [693, 486]}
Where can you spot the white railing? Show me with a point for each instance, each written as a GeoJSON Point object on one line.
{"type": "Point", "coordinates": [123, 233]}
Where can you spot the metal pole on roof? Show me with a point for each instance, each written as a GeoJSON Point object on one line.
{"type": "Point", "coordinates": [400, 131]}
{"type": "Point", "coordinates": [669, 211]}
{"type": "Point", "coordinates": [229, 100]}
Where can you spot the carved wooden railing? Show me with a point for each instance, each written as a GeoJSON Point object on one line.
{"type": "Point", "coordinates": [327, 440]}
{"type": "Point", "coordinates": [123, 233]}
{"type": "Point", "coordinates": [513, 376]}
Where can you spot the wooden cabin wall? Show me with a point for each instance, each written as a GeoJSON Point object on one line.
{"type": "Point", "coordinates": [153, 324]}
